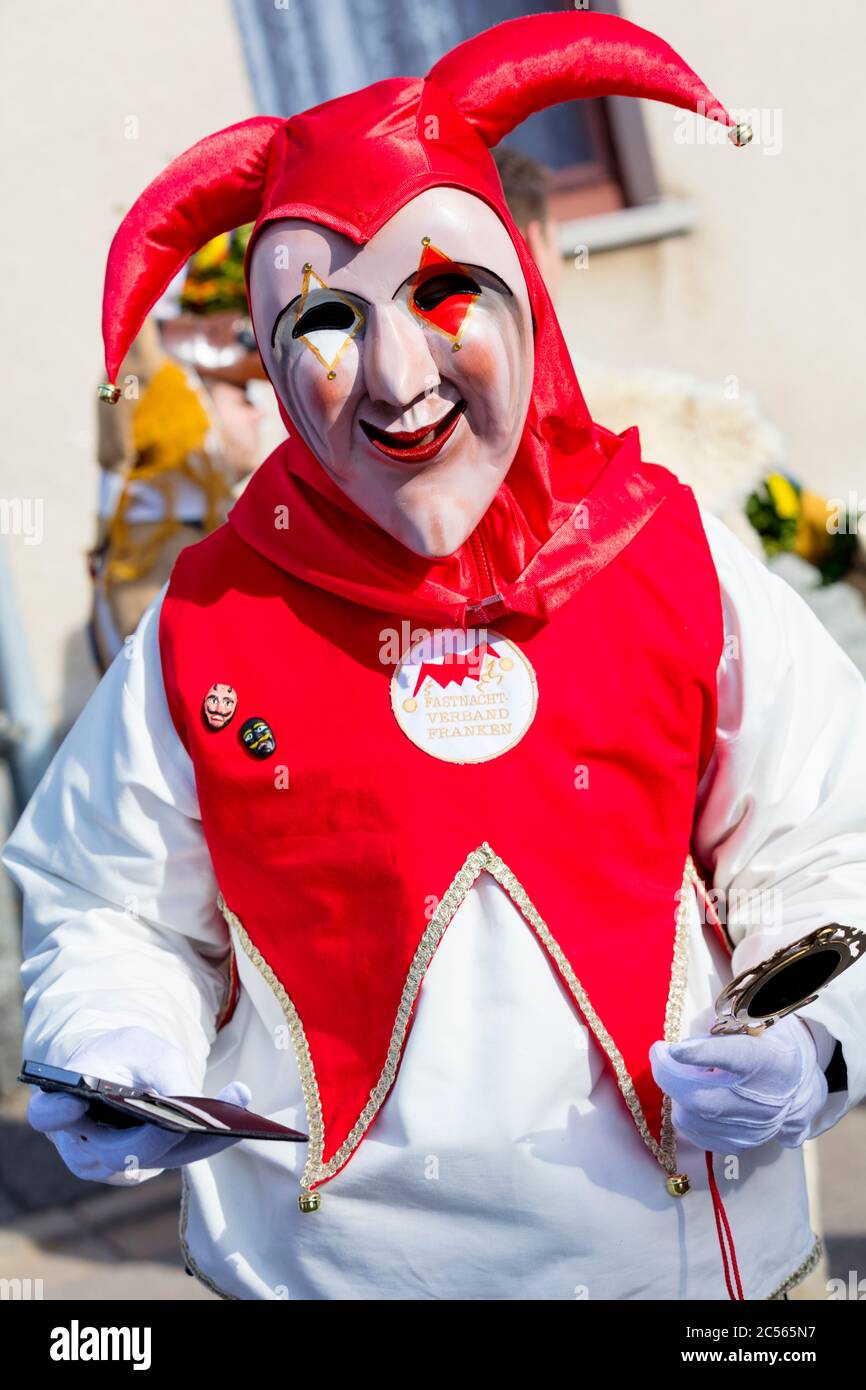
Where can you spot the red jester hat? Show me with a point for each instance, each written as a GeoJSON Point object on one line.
{"type": "Point", "coordinates": [349, 165]}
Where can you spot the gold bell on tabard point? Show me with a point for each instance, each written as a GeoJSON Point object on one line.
{"type": "Point", "coordinates": [678, 1184]}
{"type": "Point", "coordinates": [740, 134]}
{"type": "Point", "coordinates": [309, 1201]}
{"type": "Point", "coordinates": [109, 393]}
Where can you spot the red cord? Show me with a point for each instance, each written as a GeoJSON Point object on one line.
{"type": "Point", "coordinates": [722, 1221]}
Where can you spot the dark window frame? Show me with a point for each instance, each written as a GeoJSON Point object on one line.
{"type": "Point", "coordinates": [623, 176]}
{"type": "Point", "coordinates": [617, 174]}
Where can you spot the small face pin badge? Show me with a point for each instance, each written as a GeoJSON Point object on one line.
{"type": "Point", "coordinates": [257, 737]}
{"type": "Point", "coordinates": [219, 705]}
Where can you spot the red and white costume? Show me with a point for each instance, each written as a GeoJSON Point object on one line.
{"type": "Point", "coordinates": [449, 973]}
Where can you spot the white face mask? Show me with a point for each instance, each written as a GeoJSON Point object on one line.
{"type": "Point", "coordinates": [359, 343]}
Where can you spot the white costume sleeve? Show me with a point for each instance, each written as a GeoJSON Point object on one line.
{"type": "Point", "coordinates": [121, 926]}
{"type": "Point", "coordinates": [781, 816]}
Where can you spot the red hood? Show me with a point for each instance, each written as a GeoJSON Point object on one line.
{"type": "Point", "coordinates": [351, 164]}
{"type": "Point", "coordinates": [572, 487]}
{"type": "Point", "coordinates": [536, 555]}
{"type": "Point", "coordinates": [531, 539]}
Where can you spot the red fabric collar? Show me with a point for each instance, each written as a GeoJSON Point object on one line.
{"type": "Point", "coordinates": [328, 542]}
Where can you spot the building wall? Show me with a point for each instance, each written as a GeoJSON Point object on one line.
{"type": "Point", "coordinates": [769, 289]}
{"type": "Point", "coordinates": [96, 98]}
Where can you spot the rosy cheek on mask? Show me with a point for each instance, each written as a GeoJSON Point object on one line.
{"type": "Point", "coordinates": [487, 375]}
{"type": "Point", "coordinates": [318, 399]}
{"type": "Point", "coordinates": [480, 366]}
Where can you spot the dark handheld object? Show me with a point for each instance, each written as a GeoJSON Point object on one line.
{"type": "Point", "coordinates": [121, 1107]}
{"type": "Point", "coordinates": [789, 980]}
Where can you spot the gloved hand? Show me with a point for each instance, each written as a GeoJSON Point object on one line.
{"type": "Point", "coordinates": [734, 1091]}
{"type": "Point", "coordinates": [97, 1153]}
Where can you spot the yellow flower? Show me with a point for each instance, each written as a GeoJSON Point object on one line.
{"type": "Point", "coordinates": [814, 537]}
{"type": "Point", "coordinates": [213, 252]}
{"type": "Point", "coordinates": [783, 495]}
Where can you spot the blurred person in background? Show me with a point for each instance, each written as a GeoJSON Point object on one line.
{"type": "Point", "coordinates": [183, 438]}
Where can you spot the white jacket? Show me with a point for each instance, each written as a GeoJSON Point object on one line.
{"type": "Point", "coordinates": [504, 1164]}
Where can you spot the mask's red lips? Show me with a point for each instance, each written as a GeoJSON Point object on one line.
{"type": "Point", "coordinates": [415, 445]}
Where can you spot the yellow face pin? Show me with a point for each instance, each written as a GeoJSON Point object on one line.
{"type": "Point", "coordinates": [257, 737]}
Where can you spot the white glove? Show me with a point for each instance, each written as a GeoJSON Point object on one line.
{"type": "Point", "coordinates": [735, 1091]}
{"type": "Point", "coordinates": [97, 1153]}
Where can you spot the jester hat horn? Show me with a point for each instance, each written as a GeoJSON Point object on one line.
{"type": "Point", "coordinates": [351, 163]}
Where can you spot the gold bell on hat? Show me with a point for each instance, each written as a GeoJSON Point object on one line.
{"type": "Point", "coordinates": [678, 1184]}
{"type": "Point", "coordinates": [109, 393]}
{"type": "Point", "coordinates": [309, 1201]}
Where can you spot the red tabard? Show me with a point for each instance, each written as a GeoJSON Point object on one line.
{"type": "Point", "coordinates": [335, 851]}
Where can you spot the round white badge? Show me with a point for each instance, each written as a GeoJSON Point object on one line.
{"type": "Point", "coordinates": [464, 696]}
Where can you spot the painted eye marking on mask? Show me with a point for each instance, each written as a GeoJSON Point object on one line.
{"type": "Point", "coordinates": [331, 313]}
{"type": "Point", "coordinates": [443, 294]}
{"type": "Point", "coordinates": [326, 326]}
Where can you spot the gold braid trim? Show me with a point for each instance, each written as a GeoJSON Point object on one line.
{"type": "Point", "coordinates": [187, 1253]}
{"type": "Point", "coordinates": [677, 994]}
{"type": "Point", "coordinates": [812, 1260]}
{"type": "Point", "coordinates": [315, 1171]}
{"type": "Point", "coordinates": [309, 1086]}
{"type": "Point", "coordinates": [664, 1152]}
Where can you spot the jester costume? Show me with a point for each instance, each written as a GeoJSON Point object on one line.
{"type": "Point", "coordinates": [422, 790]}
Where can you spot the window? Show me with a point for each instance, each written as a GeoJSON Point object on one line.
{"type": "Point", "coordinates": [302, 52]}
